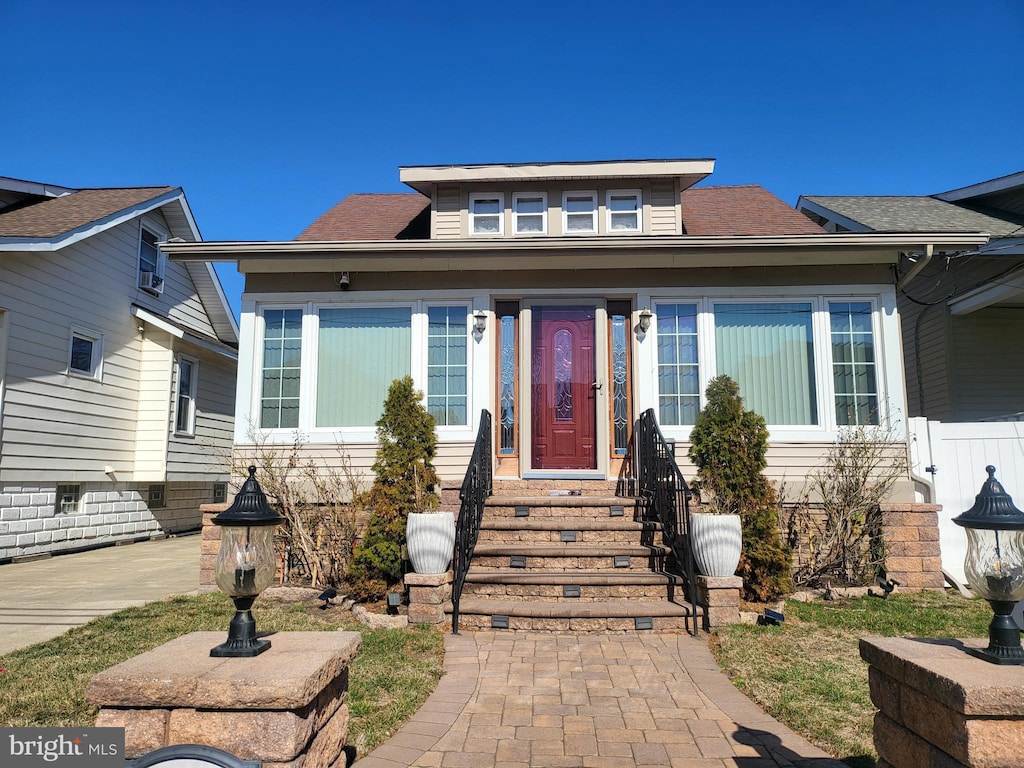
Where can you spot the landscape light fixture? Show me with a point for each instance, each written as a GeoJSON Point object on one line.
{"type": "Point", "coordinates": [994, 566]}
{"type": "Point", "coordinates": [645, 320]}
{"type": "Point", "coordinates": [480, 321]}
{"type": "Point", "coordinates": [246, 564]}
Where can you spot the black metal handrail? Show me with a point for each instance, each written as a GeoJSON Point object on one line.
{"type": "Point", "coordinates": [476, 487]}
{"type": "Point", "coordinates": [665, 497]}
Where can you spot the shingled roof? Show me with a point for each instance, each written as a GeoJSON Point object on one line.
{"type": "Point", "coordinates": [55, 216]}
{"type": "Point", "coordinates": [912, 213]}
{"type": "Point", "coordinates": [707, 211]}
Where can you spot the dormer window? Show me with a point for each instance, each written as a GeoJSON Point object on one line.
{"type": "Point", "coordinates": [579, 213]}
{"type": "Point", "coordinates": [486, 214]}
{"type": "Point", "coordinates": [151, 262]}
{"type": "Point", "coordinates": [529, 213]}
{"type": "Point", "coordinates": [623, 207]}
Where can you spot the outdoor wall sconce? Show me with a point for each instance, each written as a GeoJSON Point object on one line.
{"type": "Point", "coordinates": [645, 320]}
{"type": "Point", "coordinates": [246, 565]}
{"type": "Point", "coordinates": [994, 566]}
{"type": "Point", "coordinates": [479, 321]}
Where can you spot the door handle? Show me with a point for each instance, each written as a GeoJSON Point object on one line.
{"type": "Point", "coordinates": [597, 385]}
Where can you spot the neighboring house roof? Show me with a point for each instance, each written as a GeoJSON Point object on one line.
{"type": "Point", "coordinates": [367, 216]}
{"type": "Point", "coordinates": [742, 210]}
{"type": "Point", "coordinates": [910, 214]}
{"type": "Point", "coordinates": [55, 216]}
{"type": "Point", "coordinates": [706, 211]}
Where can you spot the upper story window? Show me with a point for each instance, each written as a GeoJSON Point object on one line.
{"type": "Point", "coordinates": [85, 355]}
{"type": "Point", "coordinates": [487, 214]}
{"type": "Point", "coordinates": [623, 207]}
{"type": "Point", "coordinates": [529, 213]}
{"type": "Point", "coordinates": [151, 262]}
{"type": "Point", "coordinates": [579, 213]}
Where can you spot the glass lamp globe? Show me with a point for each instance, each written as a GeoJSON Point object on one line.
{"type": "Point", "coordinates": [994, 566]}
{"type": "Point", "coordinates": [245, 565]}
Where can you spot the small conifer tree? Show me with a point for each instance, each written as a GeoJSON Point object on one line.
{"type": "Point", "coordinates": [405, 480]}
{"type": "Point", "coordinates": [729, 445]}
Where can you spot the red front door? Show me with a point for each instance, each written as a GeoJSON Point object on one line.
{"type": "Point", "coordinates": [563, 394]}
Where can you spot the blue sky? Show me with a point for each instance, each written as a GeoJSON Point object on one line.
{"type": "Point", "coordinates": [267, 113]}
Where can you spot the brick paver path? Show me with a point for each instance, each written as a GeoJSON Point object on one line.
{"type": "Point", "coordinates": [564, 701]}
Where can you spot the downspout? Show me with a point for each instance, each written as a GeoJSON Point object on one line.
{"type": "Point", "coordinates": [916, 269]}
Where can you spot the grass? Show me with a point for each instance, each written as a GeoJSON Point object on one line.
{"type": "Point", "coordinates": [808, 672]}
{"type": "Point", "coordinates": [44, 684]}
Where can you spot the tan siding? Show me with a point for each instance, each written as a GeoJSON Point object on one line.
{"type": "Point", "coordinates": [989, 363]}
{"type": "Point", "coordinates": [447, 212]}
{"type": "Point", "coordinates": [664, 208]}
{"type": "Point", "coordinates": [154, 396]}
{"type": "Point", "coordinates": [206, 455]}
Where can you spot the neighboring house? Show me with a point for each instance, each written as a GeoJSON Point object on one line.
{"type": "Point", "coordinates": [566, 298]}
{"type": "Point", "coordinates": [117, 369]}
{"type": "Point", "coordinates": [962, 311]}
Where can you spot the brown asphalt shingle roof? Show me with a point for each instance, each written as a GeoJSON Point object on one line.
{"type": "Point", "coordinates": [707, 211]}
{"type": "Point", "coordinates": [389, 216]}
{"type": "Point", "coordinates": [52, 217]}
{"type": "Point", "coordinates": [743, 210]}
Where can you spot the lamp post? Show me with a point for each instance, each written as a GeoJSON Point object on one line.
{"type": "Point", "coordinates": [245, 565]}
{"type": "Point", "coordinates": [994, 566]}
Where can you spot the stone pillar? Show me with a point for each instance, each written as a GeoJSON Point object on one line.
{"type": "Point", "coordinates": [911, 536]}
{"type": "Point", "coordinates": [209, 547]}
{"type": "Point", "coordinates": [428, 594]}
{"type": "Point", "coordinates": [286, 707]}
{"type": "Point", "coordinates": [942, 708]}
{"type": "Point", "coordinates": [720, 598]}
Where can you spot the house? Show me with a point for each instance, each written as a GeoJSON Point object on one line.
{"type": "Point", "coordinates": [566, 298]}
{"type": "Point", "coordinates": [963, 317]}
{"type": "Point", "coordinates": [117, 369]}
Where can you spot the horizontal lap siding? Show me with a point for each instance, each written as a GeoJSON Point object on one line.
{"type": "Point", "coordinates": [207, 454]}
{"type": "Point", "coordinates": [989, 363]}
{"type": "Point", "coordinates": [154, 396]}
{"type": "Point", "coordinates": [447, 212]}
{"type": "Point", "coordinates": [665, 216]}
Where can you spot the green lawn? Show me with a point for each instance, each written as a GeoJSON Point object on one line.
{"type": "Point", "coordinates": [808, 672]}
{"type": "Point", "coordinates": [44, 685]}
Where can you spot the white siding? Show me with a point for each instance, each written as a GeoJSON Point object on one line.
{"type": "Point", "coordinates": [206, 455]}
{"type": "Point", "coordinates": [154, 394]}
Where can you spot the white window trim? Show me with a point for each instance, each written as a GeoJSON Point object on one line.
{"type": "Point", "coordinates": [516, 197]}
{"type": "Point", "coordinates": [635, 193]}
{"type": "Point", "coordinates": [475, 387]}
{"type": "Point", "coordinates": [161, 258]}
{"type": "Point", "coordinates": [884, 329]}
{"type": "Point", "coordinates": [190, 429]}
{"type": "Point", "coordinates": [71, 488]}
{"type": "Point", "coordinates": [96, 372]}
{"type": "Point", "coordinates": [473, 198]}
{"type": "Point", "coordinates": [592, 194]}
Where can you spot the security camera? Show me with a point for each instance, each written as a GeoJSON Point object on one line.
{"type": "Point", "coordinates": [343, 281]}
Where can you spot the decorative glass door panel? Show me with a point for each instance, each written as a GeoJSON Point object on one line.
{"type": "Point", "coordinates": [563, 388]}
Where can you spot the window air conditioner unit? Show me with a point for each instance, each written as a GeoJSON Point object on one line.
{"type": "Point", "coordinates": [152, 282]}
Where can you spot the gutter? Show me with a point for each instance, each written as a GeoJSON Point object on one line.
{"type": "Point", "coordinates": [929, 251]}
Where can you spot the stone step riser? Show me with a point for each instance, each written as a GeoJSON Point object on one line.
{"type": "Point", "coordinates": [643, 592]}
{"type": "Point", "coordinates": [588, 625]}
{"type": "Point", "coordinates": [546, 487]}
{"type": "Point", "coordinates": [644, 563]}
{"type": "Point", "coordinates": [583, 537]}
{"type": "Point", "coordinates": [559, 513]}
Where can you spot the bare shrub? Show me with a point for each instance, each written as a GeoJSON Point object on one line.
{"type": "Point", "coordinates": [838, 538]}
{"type": "Point", "coordinates": [322, 523]}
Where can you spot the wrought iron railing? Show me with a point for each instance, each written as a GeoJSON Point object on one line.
{"type": "Point", "coordinates": [664, 497]}
{"type": "Point", "coordinates": [476, 487]}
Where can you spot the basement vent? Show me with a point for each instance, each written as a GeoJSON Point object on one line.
{"type": "Point", "coordinates": [643, 622]}
{"type": "Point", "coordinates": [621, 561]}
{"type": "Point", "coordinates": [517, 561]}
{"type": "Point", "coordinates": [522, 511]}
{"type": "Point", "coordinates": [616, 510]}
{"type": "Point", "coordinates": [499, 622]}
{"type": "Point", "coordinates": [571, 590]}
{"type": "Point", "coordinates": [568, 536]}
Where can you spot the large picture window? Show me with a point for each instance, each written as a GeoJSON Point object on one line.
{"type": "Point", "coordinates": [360, 351]}
{"type": "Point", "coordinates": [780, 353]}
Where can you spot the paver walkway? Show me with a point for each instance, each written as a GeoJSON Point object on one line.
{"type": "Point", "coordinates": [563, 701]}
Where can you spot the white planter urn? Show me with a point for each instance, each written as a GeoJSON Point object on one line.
{"type": "Point", "coordinates": [430, 539]}
{"type": "Point", "coordinates": [716, 542]}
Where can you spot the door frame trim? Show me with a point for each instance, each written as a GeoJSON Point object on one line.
{"type": "Point", "coordinates": [602, 431]}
